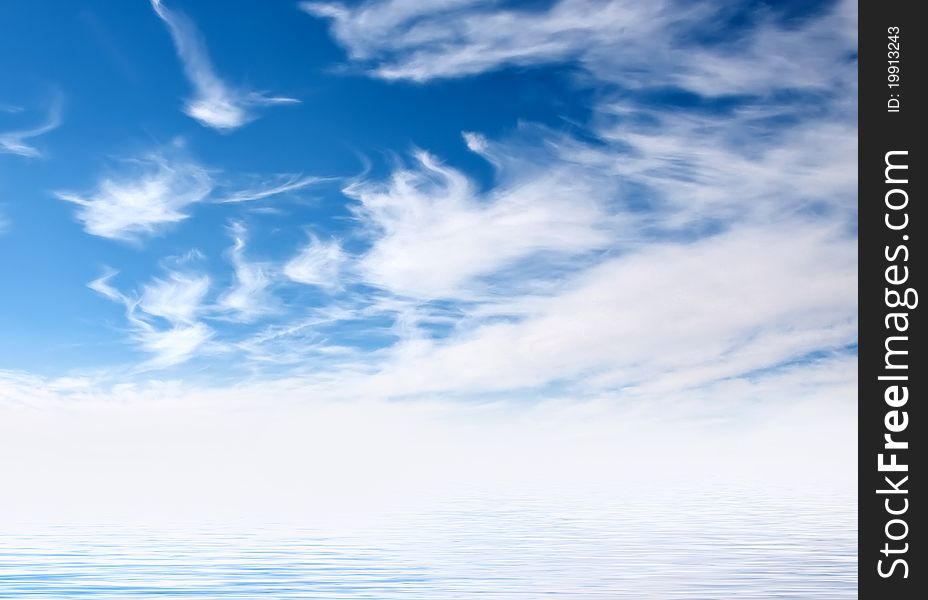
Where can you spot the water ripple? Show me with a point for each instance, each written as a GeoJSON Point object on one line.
{"type": "Point", "coordinates": [693, 547]}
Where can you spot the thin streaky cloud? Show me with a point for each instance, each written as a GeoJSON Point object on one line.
{"type": "Point", "coordinates": [164, 317]}
{"type": "Point", "coordinates": [102, 286]}
{"type": "Point", "coordinates": [636, 44]}
{"type": "Point", "coordinates": [289, 183]}
{"type": "Point", "coordinates": [148, 194]}
{"type": "Point", "coordinates": [367, 25]}
{"type": "Point", "coordinates": [16, 142]}
{"type": "Point", "coordinates": [453, 39]}
{"type": "Point", "coordinates": [249, 297]}
{"type": "Point", "coordinates": [622, 324]}
{"type": "Point", "coordinates": [214, 103]}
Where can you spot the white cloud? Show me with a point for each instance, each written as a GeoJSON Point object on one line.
{"type": "Point", "coordinates": [435, 234]}
{"type": "Point", "coordinates": [813, 56]}
{"type": "Point", "coordinates": [451, 39]}
{"type": "Point", "coordinates": [285, 184]}
{"type": "Point", "coordinates": [731, 167]}
{"type": "Point", "coordinates": [475, 142]}
{"type": "Point", "coordinates": [689, 257]}
{"type": "Point", "coordinates": [157, 194]}
{"type": "Point", "coordinates": [156, 190]}
{"type": "Point", "coordinates": [637, 44]}
{"type": "Point", "coordinates": [16, 142]}
{"type": "Point", "coordinates": [215, 104]}
{"type": "Point", "coordinates": [177, 298]}
{"type": "Point", "coordinates": [318, 263]}
{"type": "Point", "coordinates": [249, 297]}
{"type": "Point", "coordinates": [164, 316]}
{"type": "Point", "coordinates": [367, 27]}
{"type": "Point", "coordinates": [712, 266]}
{"type": "Point", "coordinates": [667, 318]}
{"type": "Point", "coordinates": [175, 345]}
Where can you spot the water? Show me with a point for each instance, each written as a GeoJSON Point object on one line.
{"type": "Point", "coordinates": [694, 546]}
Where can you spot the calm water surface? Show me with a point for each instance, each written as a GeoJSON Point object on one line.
{"type": "Point", "coordinates": [684, 546]}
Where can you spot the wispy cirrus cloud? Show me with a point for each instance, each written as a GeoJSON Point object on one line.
{"type": "Point", "coordinates": [742, 165]}
{"type": "Point", "coordinates": [634, 44]}
{"type": "Point", "coordinates": [155, 194]}
{"type": "Point", "coordinates": [671, 255]}
{"type": "Point", "coordinates": [319, 263]}
{"type": "Point", "coordinates": [282, 184]}
{"type": "Point", "coordinates": [707, 278]}
{"type": "Point", "coordinates": [665, 318]}
{"type": "Point", "coordinates": [215, 103]}
{"type": "Point", "coordinates": [434, 235]}
{"type": "Point", "coordinates": [249, 296]}
{"type": "Point", "coordinates": [144, 196]}
{"type": "Point", "coordinates": [17, 141]}
{"type": "Point", "coordinates": [452, 39]}
{"type": "Point", "coordinates": [163, 316]}
{"type": "Point", "coordinates": [167, 316]}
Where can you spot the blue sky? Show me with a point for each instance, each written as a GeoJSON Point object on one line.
{"type": "Point", "coordinates": [324, 98]}
{"type": "Point", "coordinates": [123, 96]}
{"type": "Point", "coordinates": [580, 201]}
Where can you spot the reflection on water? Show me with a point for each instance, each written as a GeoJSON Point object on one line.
{"type": "Point", "coordinates": [684, 546]}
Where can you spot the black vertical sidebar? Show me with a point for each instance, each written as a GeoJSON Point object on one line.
{"type": "Point", "coordinates": [892, 266]}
